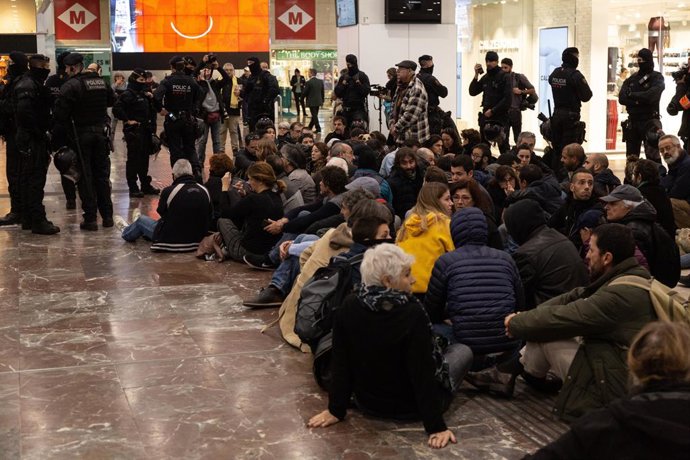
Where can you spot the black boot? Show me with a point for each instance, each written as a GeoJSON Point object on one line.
{"type": "Point", "coordinates": [45, 227]}
{"type": "Point", "coordinates": [149, 189]}
{"type": "Point", "coordinates": [268, 297]}
{"type": "Point", "coordinates": [71, 203]}
{"type": "Point", "coordinates": [11, 218]}
{"type": "Point", "coordinates": [90, 225]}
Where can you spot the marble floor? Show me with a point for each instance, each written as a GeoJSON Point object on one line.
{"type": "Point", "coordinates": [109, 351]}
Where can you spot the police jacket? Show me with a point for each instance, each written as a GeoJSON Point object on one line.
{"type": "Point", "coordinates": [434, 88]}
{"type": "Point", "coordinates": [177, 92]}
{"type": "Point", "coordinates": [495, 90]}
{"type": "Point", "coordinates": [84, 98]}
{"type": "Point", "coordinates": [32, 102]}
{"type": "Point", "coordinates": [640, 94]}
{"type": "Point", "coordinates": [260, 90]}
{"type": "Point", "coordinates": [133, 105]}
{"type": "Point", "coordinates": [681, 98]}
{"type": "Point", "coordinates": [353, 88]}
{"type": "Point", "coordinates": [54, 83]}
{"type": "Point", "coordinates": [570, 89]}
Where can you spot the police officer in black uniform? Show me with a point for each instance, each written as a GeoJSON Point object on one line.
{"type": "Point", "coordinates": [496, 97]}
{"type": "Point", "coordinates": [135, 108]}
{"type": "Point", "coordinates": [176, 99]}
{"type": "Point", "coordinates": [640, 94]}
{"type": "Point", "coordinates": [260, 91]}
{"type": "Point", "coordinates": [19, 65]}
{"type": "Point", "coordinates": [570, 90]}
{"type": "Point", "coordinates": [434, 91]}
{"type": "Point", "coordinates": [80, 121]}
{"type": "Point", "coordinates": [32, 102]}
{"type": "Point", "coordinates": [54, 83]}
{"type": "Point", "coordinates": [353, 88]}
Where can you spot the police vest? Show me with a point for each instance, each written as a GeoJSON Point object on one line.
{"type": "Point", "coordinates": [639, 83]}
{"type": "Point", "coordinates": [562, 81]}
{"type": "Point", "coordinates": [137, 106]}
{"type": "Point", "coordinates": [93, 103]}
{"type": "Point", "coordinates": [180, 93]}
{"type": "Point", "coordinates": [31, 111]}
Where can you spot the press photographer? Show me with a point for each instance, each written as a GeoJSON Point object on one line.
{"type": "Point", "coordinates": [681, 103]}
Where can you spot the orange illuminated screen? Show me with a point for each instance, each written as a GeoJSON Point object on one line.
{"type": "Point", "coordinates": [191, 26]}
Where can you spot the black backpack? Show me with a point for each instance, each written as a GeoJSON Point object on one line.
{"type": "Point", "coordinates": [320, 296]}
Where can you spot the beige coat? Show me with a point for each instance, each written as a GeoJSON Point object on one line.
{"type": "Point", "coordinates": [335, 241]}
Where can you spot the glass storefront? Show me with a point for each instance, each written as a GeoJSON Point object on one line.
{"type": "Point", "coordinates": [284, 62]}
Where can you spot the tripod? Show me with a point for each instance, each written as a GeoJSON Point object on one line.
{"type": "Point", "coordinates": [380, 109]}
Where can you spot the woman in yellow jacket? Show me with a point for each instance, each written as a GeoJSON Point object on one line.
{"type": "Point", "coordinates": [425, 234]}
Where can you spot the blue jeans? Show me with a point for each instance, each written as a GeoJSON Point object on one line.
{"type": "Point", "coordinates": [288, 270]}
{"type": "Point", "coordinates": [685, 261]}
{"type": "Point", "coordinates": [216, 139]}
{"type": "Point", "coordinates": [143, 226]}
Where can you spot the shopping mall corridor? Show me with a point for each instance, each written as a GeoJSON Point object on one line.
{"type": "Point", "coordinates": [109, 351]}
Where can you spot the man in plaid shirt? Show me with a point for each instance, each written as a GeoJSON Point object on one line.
{"type": "Point", "coordinates": [409, 118]}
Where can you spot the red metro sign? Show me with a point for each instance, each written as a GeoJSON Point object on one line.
{"type": "Point", "coordinates": [295, 20]}
{"type": "Point", "coordinates": [77, 20]}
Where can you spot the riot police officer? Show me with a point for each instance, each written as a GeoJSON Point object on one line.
{"type": "Point", "coordinates": [353, 88]}
{"type": "Point", "coordinates": [31, 100]}
{"type": "Point", "coordinates": [135, 108]}
{"type": "Point", "coordinates": [54, 83]}
{"type": "Point", "coordinates": [81, 116]}
{"type": "Point", "coordinates": [259, 90]}
{"type": "Point", "coordinates": [570, 90]}
{"type": "Point", "coordinates": [434, 90]}
{"type": "Point", "coordinates": [176, 99]}
{"type": "Point", "coordinates": [496, 98]}
{"type": "Point", "coordinates": [18, 66]}
{"type": "Point", "coordinates": [640, 94]}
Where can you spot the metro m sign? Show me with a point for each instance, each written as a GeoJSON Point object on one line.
{"type": "Point", "coordinates": [77, 20]}
{"type": "Point", "coordinates": [295, 19]}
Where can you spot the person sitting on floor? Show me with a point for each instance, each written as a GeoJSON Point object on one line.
{"type": "Point", "coordinates": [653, 421]}
{"type": "Point", "coordinates": [385, 354]}
{"type": "Point", "coordinates": [185, 212]}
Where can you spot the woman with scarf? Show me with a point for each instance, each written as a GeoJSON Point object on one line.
{"type": "Point", "coordinates": [385, 354]}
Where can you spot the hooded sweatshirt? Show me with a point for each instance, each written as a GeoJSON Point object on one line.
{"type": "Point", "coordinates": [425, 244]}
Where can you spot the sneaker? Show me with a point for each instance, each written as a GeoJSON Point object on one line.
{"type": "Point", "coordinates": [46, 227]}
{"type": "Point", "coordinates": [90, 226]}
{"type": "Point", "coordinates": [108, 222]}
{"type": "Point", "coordinates": [11, 218]}
{"type": "Point", "coordinates": [136, 194]}
{"type": "Point", "coordinates": [135, 214]}
{"type": "Point", "coordinates": [268, 297]}
{"type": "Point", "coordinates": [493, 381]}
{"type": "Point", "coordinates": [120, 222]}
{"type": "Point", "coordinates": [685, 280]}
{"type": "Point", "coordinates": [71, 204]}
{"type": "Point", "coordinates": [258, 262]}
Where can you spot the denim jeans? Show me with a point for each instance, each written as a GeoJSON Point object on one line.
{"type": "Point", "coordinates": [685, 261]}
{"type": "Point", "coordinates": [218, 146]}
{"type": "Point", "coordinates": [288, 270]}
{"type": "Point", "coordinates": [143, 226]}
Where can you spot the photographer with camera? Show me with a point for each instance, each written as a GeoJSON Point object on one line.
{"type": "Point", "coordinates": [353, 88]}
{"type": "Point", "coordinates": [640, 94]}
{"type": "Point", "coordinates": [681, 102]}
{"type": "Point", "coordinates": [570, 90]}
{"type": "Point", "coordinates": [495, 99]}
{"type": "Point", "coordinates": [434, 90]}
{"type": "Point", "coordinates": [211, 107]}
{"type": "Point", "coordinates": [524, 96]}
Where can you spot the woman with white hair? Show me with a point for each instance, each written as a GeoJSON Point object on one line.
{"type": "Point", "coordinates": [385, 354]}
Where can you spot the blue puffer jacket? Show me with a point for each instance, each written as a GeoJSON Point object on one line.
{"type": "Point", "coordinates": [478, 286]}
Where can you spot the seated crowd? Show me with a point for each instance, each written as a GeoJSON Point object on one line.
{"type": "Point", "coordinates": [463, 267]}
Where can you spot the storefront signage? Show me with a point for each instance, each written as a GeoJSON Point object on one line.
{"type": "Point", "coordinates": [77, 20]}
{"type": "Point", "coordinates": [306, 55]}
{"type": "Point", "coordinates": [498, 45]}
{"type": "Point", "coordinates": [295, 19]}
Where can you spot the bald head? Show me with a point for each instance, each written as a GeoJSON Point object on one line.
{"type": "Point", "coordinates": [573, 157]}
{"type": "Point", "coordinates": [596, 162]}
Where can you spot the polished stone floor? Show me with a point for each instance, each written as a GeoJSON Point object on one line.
{"type": "Point", "coordinates": [109, 351]}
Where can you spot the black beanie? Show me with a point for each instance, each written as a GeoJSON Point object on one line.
{"type": "Point", "coordinates": [351, 59]}
{"type": "Point", "coordinates": [646, 55]}
{"type": "Point", "coordinates": [19, 59]}
{"type": "Point", "coordinates": [569, 56]}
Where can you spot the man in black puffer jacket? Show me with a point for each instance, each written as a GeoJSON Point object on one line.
{"type": "Point", "coordinates": [548, 262]}
{"type": "Point", "coordinates": [625, 205]}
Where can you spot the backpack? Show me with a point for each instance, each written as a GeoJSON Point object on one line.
{"type": "Point", "coordinates": [320, 296]}
{"type": "Point", "coordinates": [668, 304]}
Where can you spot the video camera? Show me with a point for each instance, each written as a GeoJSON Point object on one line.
{"type": "Point", "coordinates": [377, 90]}
{"type": "Point", "coordinates": [680, 73]}
{"type": "Point", "coordinates": [212, 58]}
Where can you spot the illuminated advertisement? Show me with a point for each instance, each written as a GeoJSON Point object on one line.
{"type": "Point", "coordinates": [552, 42]}
{"type": "Point", "coordinates": [184, 26]}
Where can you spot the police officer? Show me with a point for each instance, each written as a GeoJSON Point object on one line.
{"type": "Point", "coordinates": [496, 97]}
{"type": "Point", "coordinates": [81, 115]}
{"type": "Point", "coordinates": [570, 90]}
{"type": "Point", "coordinates": [176, 99]}
{"type": "Point", "coordinates": [680, 103]}
{"type": "Point", "coordinates": [260, 91]}
{"type": "Point", "coordinates": [18, 66]}
{"type": "Point", "coordinates": [640, 94]}
{"type": "Point", "coordinates": [353, 88]}
{"type": "Point", "coordinates": [54, 83]}
{"type": "Point", "coordinates": [135, 108]}
{"type": "Point", "coordinates": [434, 90]}
{"type": "Point", "coordinates": [31, 100]}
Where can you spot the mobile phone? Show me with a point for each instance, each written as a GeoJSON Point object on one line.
{"type": "Point", "coordinates": [481, 70]}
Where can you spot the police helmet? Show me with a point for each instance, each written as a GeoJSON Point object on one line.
{"type": "Point", "coordinates": [65, 160]}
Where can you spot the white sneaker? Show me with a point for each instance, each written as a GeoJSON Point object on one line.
{"type": "Point", "coordinates": [120, 222]}
{"type": "Point", "coordinates": [135, 214]}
